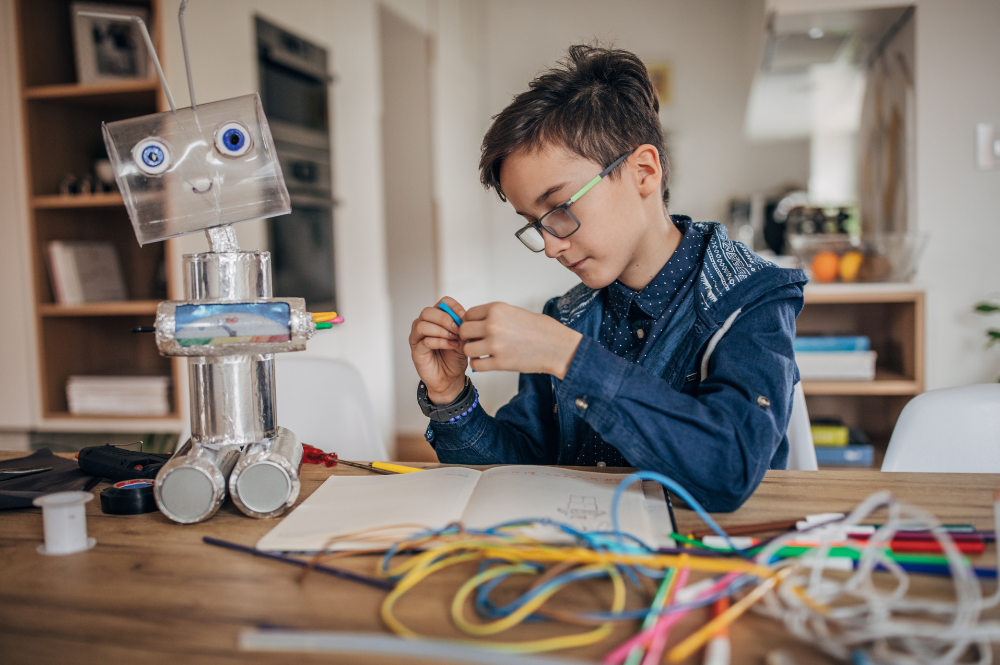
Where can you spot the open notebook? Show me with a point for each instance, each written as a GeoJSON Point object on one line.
{"type": "Point", "coordinates": [479, 499]}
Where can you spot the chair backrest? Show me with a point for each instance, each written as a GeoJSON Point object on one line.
{"type": "Point", "coordinates": [952, 430]}
{"type": "Point", "coordinates": [324, 402]}
{"type": "Point", "coordinates": [801, 453]}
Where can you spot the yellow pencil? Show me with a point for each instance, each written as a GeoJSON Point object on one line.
{"type": "Point", "coordinates": [398, 468]}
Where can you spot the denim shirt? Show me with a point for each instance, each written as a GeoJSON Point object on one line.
{"type": "Point", "coordinates": [715, 429]}
{"type": "Point", "coordinates": [632, 321]}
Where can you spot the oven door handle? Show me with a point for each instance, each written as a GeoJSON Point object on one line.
{"type": "Point", "coordinates": [307, 201]}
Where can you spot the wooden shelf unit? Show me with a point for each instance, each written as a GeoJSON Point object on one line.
{"type": "Point", "coordinates": [60, 201]}
{"type": "Point", "coordinates": [93, 90]}
{"type": "Point", "coordinates": [119, 308]}
{"type": "Point", "coordinates": [62, 134]}
{"type": "Point", "coordinates": [892, 317]}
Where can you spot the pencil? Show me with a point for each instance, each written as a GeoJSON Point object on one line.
{"type": "Point", "coordinates": [394, 468]}
{"type": "Point", "coordinates": [367, 467]}
{"type": "Point", "coordinates": [329, 570]}
{"type": "Point", "coordinates": [749, 529]}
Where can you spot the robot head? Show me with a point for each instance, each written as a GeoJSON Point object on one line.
{"type": "Point", "coordinates": [192, 169]}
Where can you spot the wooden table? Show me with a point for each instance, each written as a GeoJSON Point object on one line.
{"type": "Point", "coordinates": [152, 591]}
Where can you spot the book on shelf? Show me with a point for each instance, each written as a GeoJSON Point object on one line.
{"type": "Point", "coordinates": [831, 343]}
{"type": "Point", "coordinates": [830, 435]}
{"type": "Point", "coordinates": [836, 365]}
{"type": "Point", "coordinates": [118, 395]}
{"type": "Point", "coordinates": [85, 271]}
{"type": "Point", "coordinates": [852, 455]}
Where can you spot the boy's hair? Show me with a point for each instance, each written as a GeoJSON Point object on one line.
{"type": "Point", "coordinates": [599, 104]}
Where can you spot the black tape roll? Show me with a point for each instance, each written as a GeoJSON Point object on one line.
{"type": "Point", "coordinates": [129, 497]}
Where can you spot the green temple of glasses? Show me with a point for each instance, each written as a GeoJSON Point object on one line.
{"type": "Point", "coordinates": [600, 176]}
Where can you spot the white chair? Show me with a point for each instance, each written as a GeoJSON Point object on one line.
{"type": "Point", "coordinates": [953, 430]}
{"type": "Point", "coordinates": [801, 453]}
{"type": "Point", "coordinates": [324, 402]}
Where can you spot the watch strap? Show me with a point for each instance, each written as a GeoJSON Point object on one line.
{"type": "Point", "coordinates": [440, 413]}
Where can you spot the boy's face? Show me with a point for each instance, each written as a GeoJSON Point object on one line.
{"type": "Point", "coordinates": [610, 233]}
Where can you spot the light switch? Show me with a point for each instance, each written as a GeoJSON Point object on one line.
{"type": "Point", "coordinates": [987, 146]}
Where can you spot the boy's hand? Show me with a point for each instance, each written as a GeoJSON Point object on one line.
{"type": "Point", "coordinates": [517, 340]}
{"type": "Point", "coordinates": [436, 352]}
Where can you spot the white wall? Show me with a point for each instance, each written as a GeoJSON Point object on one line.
{"type": "Point", "coordinates": [460, 118]}
{"type": "Point", "coordinates": [407, 159]}
{"type": "Point", "coordinates": [223, 49]}
{"type": "Point", "coordinates": [957, 60]}
{"type": "Point", "coordinates": [18, 362]}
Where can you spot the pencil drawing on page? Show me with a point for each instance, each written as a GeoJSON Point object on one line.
{"type": "Point", "coordinates": [584, 514]}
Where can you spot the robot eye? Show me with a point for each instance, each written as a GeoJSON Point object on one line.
{"type": "Point", "coordinates": [151, 156]}
{"type": "Point", "coordinates": [233, 139]}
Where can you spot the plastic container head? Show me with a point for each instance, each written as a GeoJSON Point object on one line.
{"type": "Point", "coordinates": [193, 169]}
{"type": "Point", "coordinates": [64, 518]}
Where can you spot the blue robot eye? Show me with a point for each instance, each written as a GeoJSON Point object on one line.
{"type": "Point", "coordinates": [232, 139]}
{"type": "Point", "coordinates": [151, 156]}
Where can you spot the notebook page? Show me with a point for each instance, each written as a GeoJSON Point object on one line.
{"type": "Point", "coordinates": [581, 499]}
{"type": "Point", "coordinates": [345, 504]}
{"type": "Point", "coordinates": [659, 515]}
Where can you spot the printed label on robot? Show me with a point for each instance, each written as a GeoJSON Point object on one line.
{"type": "Point", "coordinates": [232, 323]}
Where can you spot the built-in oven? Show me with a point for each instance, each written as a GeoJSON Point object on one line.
{"type": "Point", "coordinates": [294, 89]}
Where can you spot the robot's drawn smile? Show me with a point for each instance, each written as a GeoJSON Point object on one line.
{"type": "Point", "coordinates": [203, 186]}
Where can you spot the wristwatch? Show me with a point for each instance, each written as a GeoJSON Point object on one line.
{"type": "Point", "coordinates": [442, 413]}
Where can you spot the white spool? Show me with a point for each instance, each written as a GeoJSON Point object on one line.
{"type": "Point", "coordinates": [64, 518]}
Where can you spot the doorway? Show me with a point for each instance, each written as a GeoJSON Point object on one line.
{"type": "Point", "coordinates": [409, 202]}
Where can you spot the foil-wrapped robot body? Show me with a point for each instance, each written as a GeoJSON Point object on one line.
{"type": "Point", "coordinates": [204, 168]}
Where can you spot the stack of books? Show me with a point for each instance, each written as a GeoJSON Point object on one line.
{"type": "Point", "coordinates": [835, 358]}
{"type": "Point", "coordinates": [835, 446]}
{"type": "Point", "coordinates": [118, 395]}
{"type": "Point", "coordinates": [85, 271]}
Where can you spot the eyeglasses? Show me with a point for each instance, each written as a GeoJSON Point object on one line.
{"type": "Point", "coordinates": [560, 222]}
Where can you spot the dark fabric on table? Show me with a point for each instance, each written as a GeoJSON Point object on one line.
{"type": "Point", "coordinates": [65, 476]}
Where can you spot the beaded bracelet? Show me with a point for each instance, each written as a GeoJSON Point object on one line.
{"type": "Point", "coordinates": [475, 402]}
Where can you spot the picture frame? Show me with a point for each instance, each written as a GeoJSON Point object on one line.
{"type": "Point", "coordinates": [661, 76]}
{"type": "Point", "coordinates": [109, 50]}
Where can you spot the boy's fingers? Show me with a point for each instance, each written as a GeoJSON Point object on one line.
{"type": "Point", "coordinates": [483, 364]}
{"type": "Point", "coordinates": [477, 313]}
{"type": "Point", "coordinates": [440, 317]}
{"type": "Point", "coordinates": [422, 329]}
{"type": "Point", "coordinates": [428, 329]}
{"type": "Point", "coordinates": [454, 305]}
{"type": "Point", "coordinates": [477, 349]}
{"type": "Point", "coordinates": [472, 330]}
{"type": "Point", "coordinates": [439, 343]}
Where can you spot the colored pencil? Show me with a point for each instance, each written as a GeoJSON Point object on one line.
{"type": "Point", "coordinates": [366, 467]}
{"type": "Point", "coordinates": [749, 529]}
{"type": "Point", "coordinates": [329, 570]}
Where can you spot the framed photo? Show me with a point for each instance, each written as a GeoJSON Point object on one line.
{"type": "Point", "coordinates": [660, 75]}
{"type": "Point", "coordinates": [108, 49]}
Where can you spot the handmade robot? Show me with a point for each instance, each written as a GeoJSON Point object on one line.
{"type": "Point", "coordinates": [204, 168]}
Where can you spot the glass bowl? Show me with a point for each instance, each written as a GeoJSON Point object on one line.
{"type": "Point", "coordinates": [877, 257]}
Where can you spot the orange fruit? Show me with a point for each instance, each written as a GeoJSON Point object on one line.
{"type": "Point", "coordinates": [825, 266]}
{"type": "Point", "coordinates": [850, 264]}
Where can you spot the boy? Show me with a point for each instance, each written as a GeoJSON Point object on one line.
{"type": "Point", "coordinates": [675, 352]}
